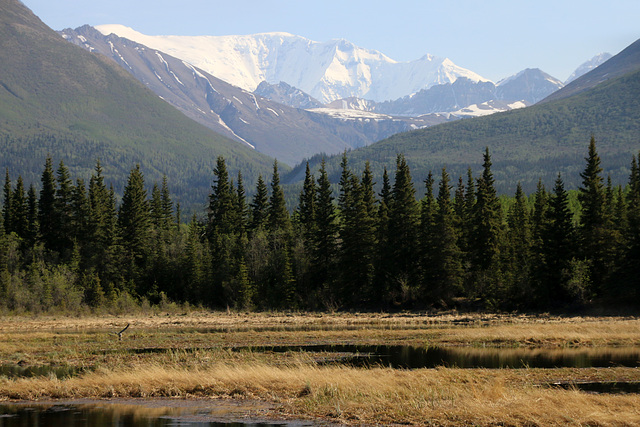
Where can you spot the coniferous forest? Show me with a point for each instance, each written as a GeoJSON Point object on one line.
{"type": "Point", "coordinates": [452, 243]}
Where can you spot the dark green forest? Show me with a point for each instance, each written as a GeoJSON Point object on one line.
{"type": "Point", "coordinates": [454, 243]}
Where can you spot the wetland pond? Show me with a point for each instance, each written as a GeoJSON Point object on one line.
{"type": "Point", "coordinates": [129, 414]}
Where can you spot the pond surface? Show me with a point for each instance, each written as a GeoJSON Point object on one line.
{"type": "Point", "coordinates": [409, 357]}
{"type": "Point", "coordinates": [122, 415]}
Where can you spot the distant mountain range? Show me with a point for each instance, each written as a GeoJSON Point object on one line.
{"type": "Point", "coordinates": [327, 71]}
{"type": "Point", "coordinates": [536, 142]}
{"type": "Point", "coordinates": [283, 132]}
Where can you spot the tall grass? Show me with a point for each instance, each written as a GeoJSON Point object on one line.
{"type": "Point", "coordinates": [354, 396]}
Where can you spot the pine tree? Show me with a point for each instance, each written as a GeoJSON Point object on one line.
{"type": "Point", "coordinates": [19, 217]}
{"type": "Point", "coordinates": [133, 223]}
{"type": "Point", "coordinates": [222, 202]}
{"type": "Point", "coordinates": [447, 280]}
{"type": "Point", "coordinates": [428, 245]}
{"type": "Point", "coordinates": [32, 216]}
{"type": "Point", "coordinates": [259, 205]}
{"type": "Point", "coordinates": [278, 216]}
{"type": "Point", "coordinates": [357, 238]}
{"type": "Point", "coordinates": [241, 207]}
{"type": "Point", "coordinates": [307, 206]}
{"type": "Point", "coordinates": [519, 238]}
{"type": "Point", "coordinates": [79, 213]}
{"type": "Point", "coordinates": [166, 204]}
{"type": "Point", "coordinates": [383, 258]}
{"type": "Point", "coordinates": [101, 223]}
{"type": "Point", "coordinates": [593, 230]}
{"type": "Point", "coordinates": [486, 239]}
{"type": "Point", "coordinates": [560, 245]}
{"type": "Point", "coordinates": [539, 226]}
{"type": "Point", "coordinates": [404, 220]}
{"type": "Point", "coordinates": [63, 209]}
{"type": "Point", "coordinates": [324, 241]}
{"type": "Point", "coordinates": [47, 206]}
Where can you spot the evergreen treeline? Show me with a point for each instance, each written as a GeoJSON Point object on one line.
{"type": "Point", "coordinates": [70, 246]}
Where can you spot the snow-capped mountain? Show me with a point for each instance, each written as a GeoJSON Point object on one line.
{"type": "Point", "coordinates": [289, 134]}
{"type": "Point", "coordinates": [465, 98]}
{"type": "Point", "coordinates": [588, 66]}
{"type": "Point", "coordinates": [328, 71]}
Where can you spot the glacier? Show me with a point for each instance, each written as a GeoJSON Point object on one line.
{"type": "Point", "coordinates": [328, 71]}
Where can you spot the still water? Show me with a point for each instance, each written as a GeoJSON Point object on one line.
{"type": "Point", "coordinates": [103, 415]}
{"type": "Point", "coordinates": [409, 357]}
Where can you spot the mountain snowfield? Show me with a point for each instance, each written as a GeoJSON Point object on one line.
{"type": "Point", "coordinates": [328, 71]}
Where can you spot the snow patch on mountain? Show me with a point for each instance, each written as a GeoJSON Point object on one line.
{"type": "Point", "coordinates": [331, 70]}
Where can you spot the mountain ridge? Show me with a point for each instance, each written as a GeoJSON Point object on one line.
{"type": "Point", "coordinates": [332, 70]}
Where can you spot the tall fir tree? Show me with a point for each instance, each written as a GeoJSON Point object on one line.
{"type": "Point", "coordinates": [133, 224]}
{"type": "Point", "coordinates": [307, 206]}
{"type": "Point", "coordinates": [47, 205]}
{"type": "Point", "coordinates": [325, 238]}
{"type": "Point", "coordinates": [486, 235]}
{"type": "Point", "coordinates": [448, 277]}
{"type": "Point", "coordinates": [519, 247]}
{"type": "Point", "coordinates": [559, 245]}
{"type": "Point", "coordinates": [259, 206]}
{"type": "Point", "coordinates": [593, 227]}
{"type": "Point", "coordinates": [404, 220]}
{"type": "Point", "coordinates": [278, 216]}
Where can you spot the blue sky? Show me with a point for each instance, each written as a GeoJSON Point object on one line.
{"type": "Point", "coordinates": [492, 38]}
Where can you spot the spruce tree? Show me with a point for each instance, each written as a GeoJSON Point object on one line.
{"type": "Point", "coordinates": [241, 207]}
{"type": "Point", "coordinates": [383, 258]}
{"type": "Point", "coordinates": [559, 244]}
{"type": "Point", "coordinates": [63, 210]}
{"type": "Point", "coordinates": [32, 215]}
{"type": "Point", "coordinates": [486, 235]}
{"type": "Point", "coordinates": [133, 223]}
{"type": "Point", "coordinates": [19, 206]}
{"type": "Point", "coordinates": [324, 241]}
{"type": "Point", "coordinates": [47, 206]}
{"type": "Point", "coordinates": [428, 245]}
{"type": "Point", "coordinates": [222, 202]}
{"type": "Point", "coordinates": [404, 219]}
{"type": "Point", "coordinates": [357, 240]}
{"type": "Point", "coordinates": [593, 227]}
{"type": "Point", "coordinates": [259, 205]}
{"type": "Point", "coordinates": [278, 216]}
{"type": "Point", "coordinates": [307, 206]}
{"type": "Point", "coordinates": [519, 246]}
{"type": "Point", "coordinates": [447, 280]}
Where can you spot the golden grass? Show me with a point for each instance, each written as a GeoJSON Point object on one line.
{"type": "Point", "coordinates": [375, 396]}
{"type": "Point", "coordinates": [194, 363]}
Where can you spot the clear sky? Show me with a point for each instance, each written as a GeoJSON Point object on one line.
{"type": "Point", "coordinates": [492, 38]}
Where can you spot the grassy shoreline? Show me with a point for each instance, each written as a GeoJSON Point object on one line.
{"type": "Point", "coordinates": [199, 366]}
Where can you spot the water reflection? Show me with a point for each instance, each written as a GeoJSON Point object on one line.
{"type": "Point", "coordinates": [409, 357]}
{"type": "Point", "coordinates": [103, 415]}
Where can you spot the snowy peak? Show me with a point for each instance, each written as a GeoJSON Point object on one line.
{"type": "Point", "coordinates": [327, 71]}
{"type": "Point", "coordinates": [588, 66]}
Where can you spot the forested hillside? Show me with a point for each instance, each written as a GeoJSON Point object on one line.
{"type": "Point", "coordinates": [71, 245]}
{"type": "Point", "coordinates": [57, 99]}
{"type": "Point", "coordinates": [527, 144]}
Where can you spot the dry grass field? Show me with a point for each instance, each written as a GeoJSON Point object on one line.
{"type": "Point", "coordinates": [190, 356]}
